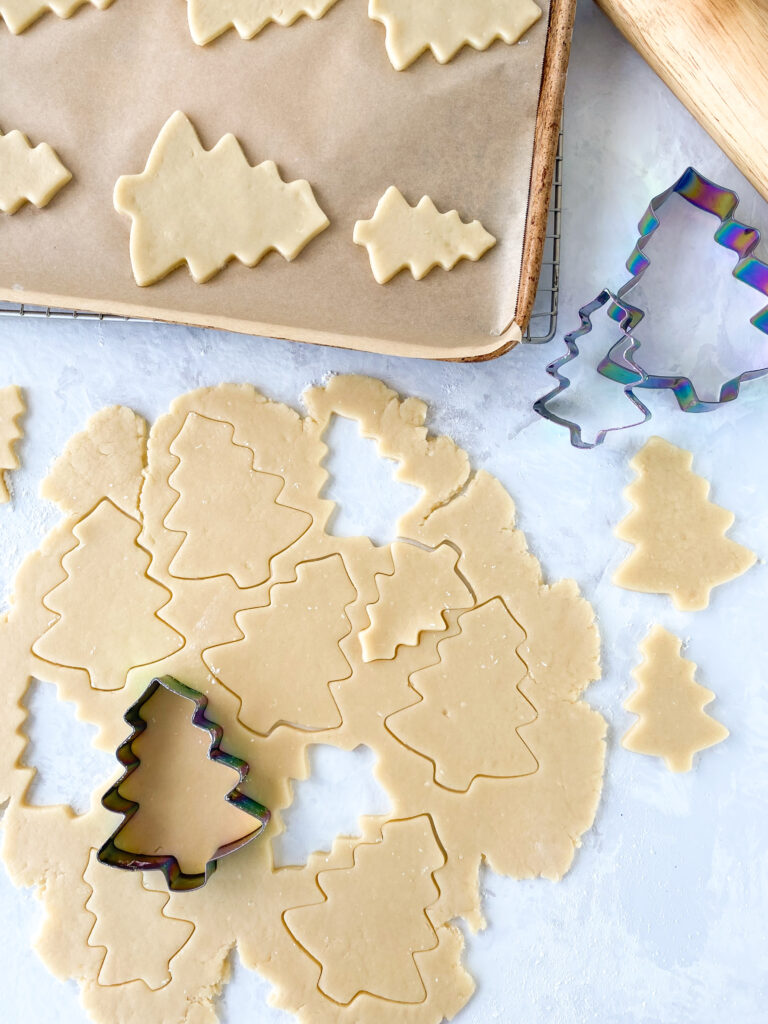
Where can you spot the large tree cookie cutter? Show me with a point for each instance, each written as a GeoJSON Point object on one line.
{"type": "Point", "coordinates": [741, 239]}
{"type": "Point", "coordinates": [176, 879]}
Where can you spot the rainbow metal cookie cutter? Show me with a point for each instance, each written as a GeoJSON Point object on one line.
{"type": "Point", "coordinates": [741, 239]}
{"type": "Point", "coordinates": [627, 317]}
{"type": "Point", "coordinates": [176, 879]}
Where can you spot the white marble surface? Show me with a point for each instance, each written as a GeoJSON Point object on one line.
{"type": "Point", "coordinates": [662, 918]}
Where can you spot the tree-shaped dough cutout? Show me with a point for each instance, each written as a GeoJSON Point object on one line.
{"type": "Point", "coordinates": [18, 15]}
{"type": "Point", "coordinates": [206, 207]}
{"type": "Point", "coordinates": [418, 238]}
{"type": "Point", "coordinates": [208, 19]}
{"type": "Point", "coordinates": [127, 913]}
{"type": "Point", "coordinates": [241, 526]}
{"type": "Point", "coordinates": [289, 654]}
{"type": "Point", "coordinates": [669, 703]}
{"type": "Point", "coordinates": [679, 535]}
{"type": "Point", "coordinates": [12, 406]}
{"type": "Point", "coordinates": [28, 174]}
{"type": "Point", "coordinates": [186, 810]}
{"type": "Point", "coordinates": [469, 719]}
{"type": "Point", "coordinates": [107, 608]}
{"type": "Point", "coordinates": [445, 26]}
{"type": "Point", "coordinates": [374, 916]}
{"type": "Point", "coordinates": [423, 586]}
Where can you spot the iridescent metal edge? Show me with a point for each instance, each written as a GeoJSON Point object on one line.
{"type": "Point", "coordinates": [627, 317]}
{"type": "Point", "coordinates": [741, 239]}
{"type": "Point", "coordinates": [176, 879]}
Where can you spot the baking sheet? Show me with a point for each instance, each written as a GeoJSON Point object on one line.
{"type": "Point", "coordinates": [322, 100]}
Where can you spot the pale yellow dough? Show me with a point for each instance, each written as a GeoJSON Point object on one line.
{"type": "Point", "coordinates": [481, 691]}
{"type": "Point", "coordinates": [445, 26]}
{"type": "Point", "coordinates": [209, 19]}
{"type": "Point", "coordinates": [669, 703]}
{"type": "Point", "coordinates": [28, 174]}
{"type": "Point", "coordinates": [206, 207]}
{"type": "Point", "coordinates": [20, 14]}
{"type": "Point", "coordinates": [679, 535]}
{"type": "Point", "coordinates": [417, 238]}
{"type": "Point", "coordinates": [12, 407]}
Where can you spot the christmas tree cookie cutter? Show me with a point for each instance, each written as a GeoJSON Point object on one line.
{"type": "Point", "coordinates": [627, 317]}
{"type": "Point", "coordinates": [732, 234]}
{"type": "Point", "coordinates": [176, 879]}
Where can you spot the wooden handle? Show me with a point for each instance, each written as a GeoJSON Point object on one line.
{"type": "Point", "coordinates": [713, 54]}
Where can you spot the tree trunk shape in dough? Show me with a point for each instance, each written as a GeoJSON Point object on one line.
{"type": "Point", "coordinates": [240, 526]}
{"type": "Point", "coordinates": [374, 916]}
{"type": "Point", "coordinates": [468, 720]}
{"type": "Point", "coordinates": [679, 535]}
{"type": "Point", "coordinates": [12, 406]}
{"type": "Point", "coordinates": [20, 14]}
{"type": "Point", "coordinates": [27, 174]}
{"type": "Point", "coordinates": [445, 26]}
{"type": "Point", "coordinates": [669, 703]}
{"type": "Point", "coordinates": [289, 654]}
{"type": "Point", "coordinates": [107, 594]}
{"type": "Point", "coordinates": [205, 207]}
{"type": "Point", "coordinates": [417, 238]}
{"type": "Point", "coordinates": [412, 600]}
{"type": "Point", "coordinates": [209, 19]}
{"type": "Point", "coordinates": [122, 905]}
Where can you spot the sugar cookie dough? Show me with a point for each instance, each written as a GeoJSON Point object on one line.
{"type": "Point", "coordinates": [669, 703]}
{"type": "Point", "coordinates": [363, 933]}
{"type": "Point", "coordinates": [28, 174]}
{"type": "Point", "coordinates": [12, 407]}
{"type": "Point", "coordinates": [20, 14]}
{"type": "Point", "coordinates": [417, 238]}
{"type": "Point", "coordinates": [209, 19]}
{"type": "Point", "coordinates": [206, 207]}
{"type": "Point", "coordinates": [679, 535]}
{"type": "Point", "coordinates": [445, 26]}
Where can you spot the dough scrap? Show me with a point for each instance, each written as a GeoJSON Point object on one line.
{"type": "Point", "coordinates": [389, 889]}
{"type": "Point", "coordinates": [669, 703]}
{"type": "Point", "coordinates": [417, 238]}
{"type": "Point", "coordinates": [445, 26]}
{"type": "Point", "coordinates": [206, 207]}
{"type": "Point", "coordinates": [208, 19]}
{"type": "Point", "coordinates": [679, 535]}
{"type": "Point", "coordinates": [18, 15]}
{"type": "Point", "coordinates": [12, 407]}
{"type": "Point", "coordinates": [413, 598]}
{"type": "Point", "coordinates": [279, 680]}
{"type": "Point", "coordinates": [524, 827]}
{"type": "Point", "coordinates": [472, 707]}
{"type": "Point", "coordinates": [27, 174]}
{"type": "Point", "coordinates": [87, 470]}
{"type": "Point", "coordinates": [106, 561]}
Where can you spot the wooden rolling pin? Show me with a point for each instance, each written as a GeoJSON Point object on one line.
{"type": "Point", "coordinates": [713, 54]}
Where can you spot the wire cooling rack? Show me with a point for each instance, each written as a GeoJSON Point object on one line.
{"type": "Point", "coordinates": [541, 326]}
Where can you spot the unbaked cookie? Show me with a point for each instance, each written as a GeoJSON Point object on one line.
{"type": "Point", "coordinates": [417, 238]}
{"type": "Point", "coordinates": [209, 19]}
{"type": "Point", "coordinates": [206, 207]}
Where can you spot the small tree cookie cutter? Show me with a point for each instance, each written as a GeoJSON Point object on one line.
{"type": "Point", "coordinates": [732, 234]}
{"type": "Point", "coordinates": [627, 317]}
{"type": "Point", "coordinates": [176, 879]}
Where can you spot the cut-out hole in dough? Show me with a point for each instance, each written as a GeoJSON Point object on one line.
{"type": "Point", "coordinates": [60, 748]}
{"type": "Point", "coordinates": [340, 789]}
{"type": "Point", "coordinates": [369, 500]}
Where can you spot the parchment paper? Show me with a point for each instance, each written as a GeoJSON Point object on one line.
{"type": "Point", "coordinates": [320, 99]}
